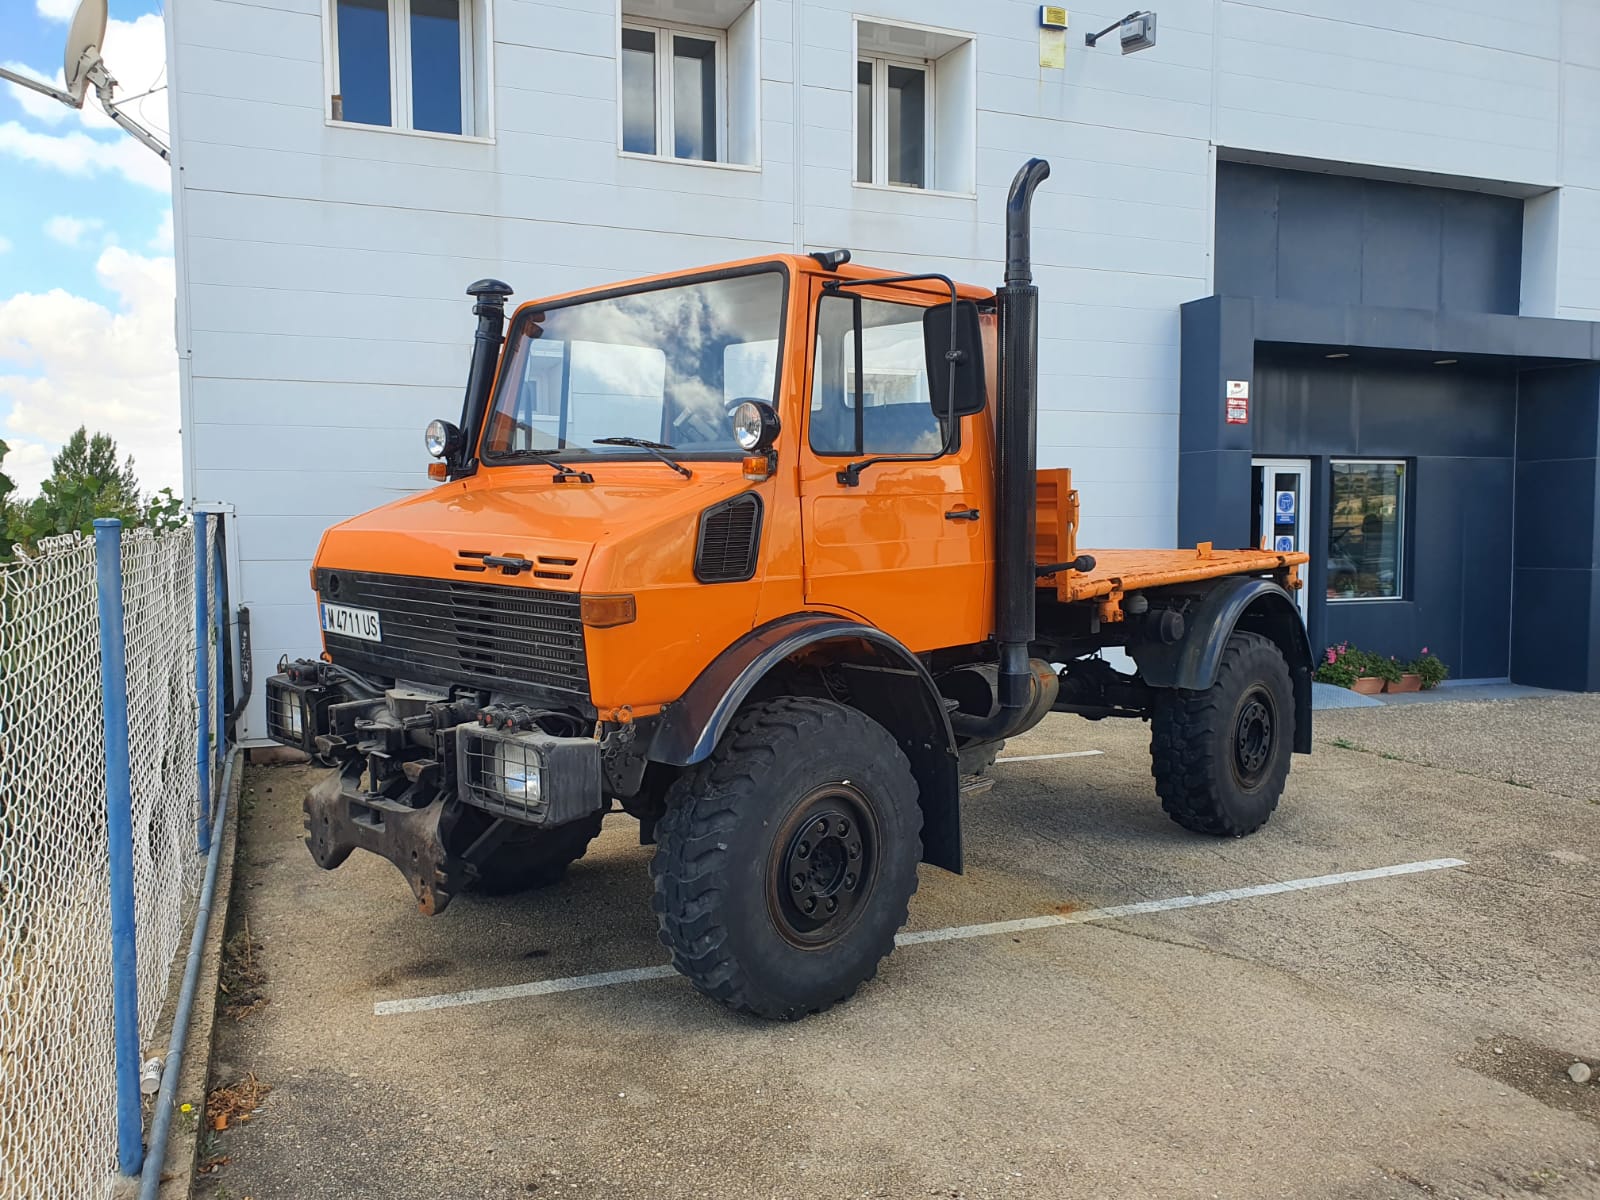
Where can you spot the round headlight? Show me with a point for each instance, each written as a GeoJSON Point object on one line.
{"type": "Point", "coordinates": [755, 425]}
{"type": "Point", "coordinates": [440, 437]}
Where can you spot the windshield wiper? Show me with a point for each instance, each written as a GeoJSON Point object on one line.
{"type": "Point", "coordinates": [563, 472]}
{"type": "Point", "coordinates": [654, 448]}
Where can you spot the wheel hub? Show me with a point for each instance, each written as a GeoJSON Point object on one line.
{"type": "Point", "coordinates": [1253, 734]}
{"type": "Point", "coordinates": [823, 865]}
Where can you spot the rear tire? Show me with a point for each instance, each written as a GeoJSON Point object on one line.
{"type": "Point", "coordinates": [536, 858]}
{"type": "Point", "coordinates": [1220, 757]}
{"type": "Point", "coordinates": [785, 862]}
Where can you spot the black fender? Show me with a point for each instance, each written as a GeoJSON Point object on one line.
{"type": "Point", "coordinates": [1239, 602]}
{"type": "Point", "coordinates": [887, 682]}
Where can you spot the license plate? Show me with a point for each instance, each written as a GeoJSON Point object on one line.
{"type": "Point", "coordinates": [352, 622]}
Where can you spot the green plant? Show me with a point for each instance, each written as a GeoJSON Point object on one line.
{"type": "Point", "coordinates": [1430, 667]}
{"type": "Point", "coordinates": [1336, 666]}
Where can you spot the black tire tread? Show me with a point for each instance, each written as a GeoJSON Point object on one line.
{"type": "Point", "coordinates": [1183, 749]}
{"type": "Point", "coordinates": [703, 806]}
{"type": "Point", "coordinates": [537, 860]}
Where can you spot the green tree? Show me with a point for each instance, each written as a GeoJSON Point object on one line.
{"type": "Point", "coordinates": [86, 481]}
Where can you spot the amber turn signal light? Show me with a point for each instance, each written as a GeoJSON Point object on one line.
{"type": "Point", "coordinates": [602, 612]}
{"type": "Point", "coordinates": [757, 467]}
{"type": "Point", "coordinates": [439, 471]}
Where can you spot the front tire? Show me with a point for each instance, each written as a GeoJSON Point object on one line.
{"type": "Point", "coordinates": [535, 858]}
{"type": "Point", "coordinates": [1221, 757]}
{"type": "Point", "coordinates": [786, 861]}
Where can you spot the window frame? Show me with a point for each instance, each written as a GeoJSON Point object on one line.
{"type": "Point", "coordinates": [665, 65]}
{"type": "Point", "coordinates": [880, 119]}
{"type": "Point", "coordinates": [1402, 526]}
{"type": "Point", "coordinates": [401, 90]}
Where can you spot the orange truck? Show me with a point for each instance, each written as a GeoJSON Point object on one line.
{"type": "Point", "coordinates": [759, 556]}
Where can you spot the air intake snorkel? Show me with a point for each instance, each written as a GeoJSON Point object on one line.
{"type": "Point", "coordinates": [490, 309]}
{"type": "Point", "coordinates": [1017, 428]}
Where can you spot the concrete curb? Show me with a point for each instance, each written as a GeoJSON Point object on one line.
{"type": "Point", "coordinates": [183, 1144]}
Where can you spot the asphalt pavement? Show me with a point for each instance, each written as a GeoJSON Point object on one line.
{"type": "Point", "coordinates": [1355, 1034]}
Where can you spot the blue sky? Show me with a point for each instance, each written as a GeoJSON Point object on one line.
{"type": "Point", "coordinates": [85, 251]}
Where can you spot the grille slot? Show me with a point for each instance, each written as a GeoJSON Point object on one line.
{"type": "Point", "coordinates": [483, 635]}
{"type": "Point", "coordinates": [730, 534]}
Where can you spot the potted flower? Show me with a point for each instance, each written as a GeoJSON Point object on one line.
{"type": "Point", "coordinates": [1336, 667]}
{"type": "Point", "coordinates": [1346, 667]}
{"type": "Point", "coordinates": [1429, 670]}
{"type": "Point", "coordinates": [1410, 678]}
{"type": "Point", "coordinates": [1374, 672]}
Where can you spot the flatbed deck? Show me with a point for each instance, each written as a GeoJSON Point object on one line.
{"type": "Point", "coordinates": [1117, 572]}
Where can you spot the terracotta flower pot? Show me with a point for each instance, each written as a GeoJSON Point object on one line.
{"type": "Point", "coordinates": [1368, 685]}
{"type": "Point", "coordinates": [1408, 683]}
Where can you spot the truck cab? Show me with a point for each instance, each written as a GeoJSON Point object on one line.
{"type": "Point", "coordinates": [759, 555]}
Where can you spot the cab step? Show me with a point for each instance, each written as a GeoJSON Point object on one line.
{"type": "Point", "coordinates": [975, 785]}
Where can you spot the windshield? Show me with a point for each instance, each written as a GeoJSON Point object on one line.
{"type": "Point", "coordinates": [667, 365]}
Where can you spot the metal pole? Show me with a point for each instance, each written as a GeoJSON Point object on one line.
{"type": "Point", "coordinates": [119, 832]}
{"type": "Point", "coordinates": [202, 682]}
{"type": "Point", "coordinates": [219, 564]}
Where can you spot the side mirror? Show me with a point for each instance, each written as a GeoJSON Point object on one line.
{"type": "Point", "coordinates": [965, 351]}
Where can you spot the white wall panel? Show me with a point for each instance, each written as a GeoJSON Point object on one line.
{"type": "Point", "coordinates": [325, 265]}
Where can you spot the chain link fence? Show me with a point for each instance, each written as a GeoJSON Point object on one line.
{"type": "Point", "coordinates": [58, 1066]}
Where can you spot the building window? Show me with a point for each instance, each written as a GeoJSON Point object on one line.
{"type": "Point", "coordinates": [689, 91]}
{"type": "Point", "coordinates": [418, 65]}
{"type": "Point", "coordinates": [673, 84]}
{"type": "Point", "coordinates": [1366, 539]}
{"type": "Point", "coordinates": [915, 108]}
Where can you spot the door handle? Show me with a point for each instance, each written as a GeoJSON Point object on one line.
{"type": "Point", "coordinates": [962, 514]}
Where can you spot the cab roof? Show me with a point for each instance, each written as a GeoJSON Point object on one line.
{"type": "Point", "coordinates": [797, 265]}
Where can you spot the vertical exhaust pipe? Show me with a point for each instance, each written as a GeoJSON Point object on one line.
{"type": "Point", "coordinates": [490, 309]}
{"type": "Point", "coordinates": [1016, 453]}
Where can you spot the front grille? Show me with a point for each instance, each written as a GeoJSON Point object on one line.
{"type": "Point", "coordinates": [483, 635]}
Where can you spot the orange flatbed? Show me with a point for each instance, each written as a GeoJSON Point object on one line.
{"type": "Point", "coordinates": [1117, 572]}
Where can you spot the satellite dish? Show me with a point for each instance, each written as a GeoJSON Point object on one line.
{"type": "Point", "coordinates": [85, 36]}
{"type": "Point", "coordinates": [83, 68]}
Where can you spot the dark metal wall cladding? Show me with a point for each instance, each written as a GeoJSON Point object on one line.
{"type": "Point", "coordinates": [499, 636]}
{"type": "Point", "coordinates": [730, 539]}
{"type": "Point", "coordinates": [1333, 239]}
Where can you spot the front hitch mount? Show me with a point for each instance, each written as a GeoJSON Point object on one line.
{"type": "Point", "coordinates": [339, 820]}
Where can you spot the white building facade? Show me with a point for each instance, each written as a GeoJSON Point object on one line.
{"type": "Point", "coordinates": [344, 168]}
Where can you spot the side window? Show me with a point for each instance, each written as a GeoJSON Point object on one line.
{"type": "Point", "coordinates": [869, 390]}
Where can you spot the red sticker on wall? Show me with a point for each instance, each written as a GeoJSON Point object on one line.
{"type": "Point", "coordinates": [1238, 402]}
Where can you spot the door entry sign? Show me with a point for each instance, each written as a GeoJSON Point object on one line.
{"type": "Point", "coordinates": [1238, 402]}
{"type": "Point", "coordinates": [1285, 503]}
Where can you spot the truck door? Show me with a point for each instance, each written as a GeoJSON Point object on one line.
{"type": "Point", "coordinates": [909, 548]}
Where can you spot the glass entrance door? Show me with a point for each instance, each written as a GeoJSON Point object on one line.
{"type": "Point", "coordinates": [1282, 491]}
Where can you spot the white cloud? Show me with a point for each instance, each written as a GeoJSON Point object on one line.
{"type": "Point", "coordinates": [5, 242]}
{"type": "Point", "coordinates": [56, 10]}
{"type": "Point", "coordinates": [136, 53]}
{"type": "Point", "coordinates": [114, 371]}
{"type": "Point", "coordinates": [162, 241]}
{"type": "Point", "coordinates": [79, 154]}
{"type": "Point", "coordinates": [70, 231]}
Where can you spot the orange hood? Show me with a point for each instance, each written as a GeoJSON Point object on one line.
{"type": "Point", "coordinates": [636, 524]}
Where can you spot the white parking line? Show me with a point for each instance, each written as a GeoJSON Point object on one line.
{"type": "Point", "coordinates": [575, 983]}
{"type": "Point", "coordinates": [1042, 757]}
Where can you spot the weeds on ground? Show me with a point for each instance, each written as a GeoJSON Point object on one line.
{"type": "Point", "coordinates": [236, 1103]}
{"type": "Point", "coordinates": [1344, 743]}
{"type": "Point", "coordinates": [241, 980]}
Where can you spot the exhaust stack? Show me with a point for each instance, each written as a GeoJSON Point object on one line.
{"type": "Point", "coordinates": [1016, 436]}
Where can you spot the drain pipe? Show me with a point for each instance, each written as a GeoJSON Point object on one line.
{"type": "Point", "coordinates": [161, 1124]}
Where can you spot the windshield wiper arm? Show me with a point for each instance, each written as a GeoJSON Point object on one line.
{"type": "Point", "coordinates": [654, 448]}
{"type": "Point", "coordinates": [562, 471]}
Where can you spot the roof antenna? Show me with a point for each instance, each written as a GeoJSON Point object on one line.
{"type": "Point", "coordinates": [83, 67]}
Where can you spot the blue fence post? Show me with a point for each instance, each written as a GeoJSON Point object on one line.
{"type": "Point", "coordinates": [202, 681]}
{"type": "Point", "coordinates": [119, 831]}
{"type": "Point", "coordinates": [219, 567]}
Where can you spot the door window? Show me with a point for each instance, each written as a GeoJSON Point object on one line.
{"type": "Point", "coordinates": [869, 391]}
